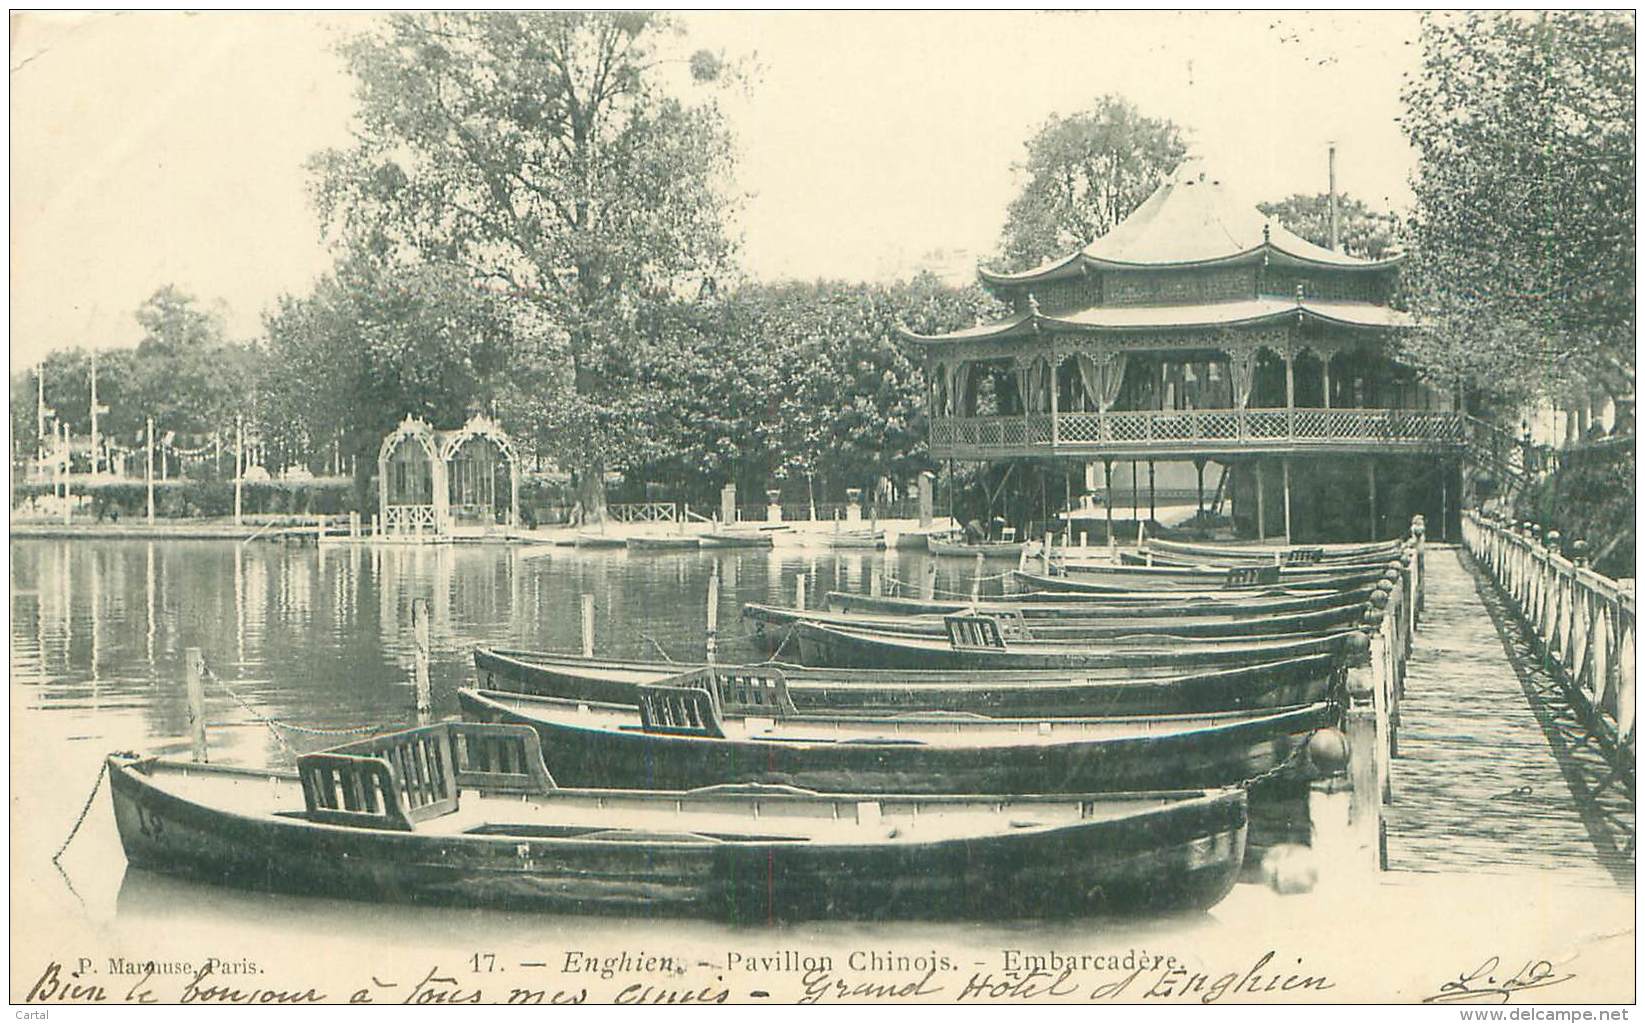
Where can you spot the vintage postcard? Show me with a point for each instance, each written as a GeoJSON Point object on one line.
{"type": "Point", "coordinates": [554, 508]}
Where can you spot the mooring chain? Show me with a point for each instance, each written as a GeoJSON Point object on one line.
{"type": "Point", "coordinates": [275, 725]}
{"type": "Point", "coordinates": [1282, 767]}
{"type": "Point", "coordinates": [81, 820]}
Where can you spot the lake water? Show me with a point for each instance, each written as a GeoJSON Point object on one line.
{"type": "Point", "coordinates": [321, 638]}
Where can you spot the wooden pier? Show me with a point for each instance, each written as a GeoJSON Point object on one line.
{"type": "Point", "coordinates": [1485, 778]}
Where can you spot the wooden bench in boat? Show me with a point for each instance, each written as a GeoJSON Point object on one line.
{"type": "Point", "coordinates": [396, 780]}
{"type": "Point", "coordinates": [695, 703]}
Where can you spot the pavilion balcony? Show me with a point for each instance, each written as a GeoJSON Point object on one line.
{"type": "Point", "coordinates": [1195, 432]}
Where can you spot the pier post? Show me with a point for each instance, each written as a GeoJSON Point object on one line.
{"type": "Point", "coordinates": [1419, 530]}
{"type": "Point", "coordinates": [420, 638]}
{"type": "Point", "coordinates": [773, 506]}
{"type": "Point", "coordinates": [588, 620]}
{"type": "Point", "coordinates": [927, 486]}
{"type": "Point", "coordinates": [928, 589]}
{"type": "Point", "coordinates": [239, 463]}
{"type": "Point", "coordinates": [1108, 498]}
{"type": "Point", "coordinates": [194, 665]}
{"type": "Point", "coordinates": [376, 525]}
{"type": "Point", "coordinates": [976, 578]}
{"type": "Point", "coordinates": [728, 504]}
{"type": "Point", "coordinates": [799, 592]}
{"type": "Point", "coordinates": [1360, 721]}
{"type": "Point", "coordinates": [874, 584]}
{"type": "Point", "coordinates": [713, 640]}
{"type": "Point", "coordinates": [1151, 513]}
{"type": "Point", "coordinates": [148, 474]}
{"type": "Point", "coordinates": [354, 524]}
{"type": "Point", "coordinates": [1045, 554]}
{"type": "Point", "coordinates": [1371, 489]}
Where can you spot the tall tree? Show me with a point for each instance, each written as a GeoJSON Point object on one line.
{"type": "Point", "coordinates": [542, 152]}
{"type": "Point", "coordinates": [1363, 232]}
{"type": "Point", "coordinates": [1086, 172]}
{"type": "Point", "coordinates": [1522, 265]}
{"type": "Point", "coordinates": [189, 376]}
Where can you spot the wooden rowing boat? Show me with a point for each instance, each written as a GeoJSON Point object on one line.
{"type": "Point", "coordinates": [978, 643]}
{"type": "Point", "coordinates": [1121, 579]}
{"type": "Point", "coordinates": [468, 814]}
{"type": "Point", "coordinates": [676, 542]}
{"type": "Point", "coordinates": [1049, 605]}
{"type": "Point", "coordinates": [587, 539]}
{"type": "Point", "coordinates": [737, 539]}
{"type": "Point", "coordinates": [952, 546]}
{"type": "Point", "coordinates": [868, 539]}
{"type": "Point", "coordinates": [1005, 694]}
{"type": "Point", "coordinates": [1302, 554]}
{"type": "Point", "coordinates": [773, 623]}
{"type": "Point", "coordinates": [708, 728]}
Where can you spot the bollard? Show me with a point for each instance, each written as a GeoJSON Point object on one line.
{"type": "Point", "coordinates": [976, 580]}
{"type": "Point", "coordinates": [1579, 553]}
{"type": "Point", "coordinates": [713, 615]}
{"type": "Point", "coordinates": [419, 635]}
{"type": "Point", "coordinates": [588, 625]}
{"type": "Point", "coordinates": [799, 592]}
{"type": "Point", "coordinates": [194, 665]}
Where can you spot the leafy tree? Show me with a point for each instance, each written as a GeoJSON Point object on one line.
{"type": "Point", "coordinates": [371, 345]}
{"type": "Point", "coordinates": [1363, 232]}
{"type": "Point", "coordinates": [1086, 172]}
{"type": "Point", "coordinates": [1522, 265]}
{"type": "Point", "coordinates": [540, 152]}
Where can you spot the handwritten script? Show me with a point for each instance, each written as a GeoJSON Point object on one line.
{"type": "Point", "coordinates": [1490, 982]}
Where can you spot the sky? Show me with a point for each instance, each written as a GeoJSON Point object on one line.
{"type": "Point", "coordinates": [151, 149]}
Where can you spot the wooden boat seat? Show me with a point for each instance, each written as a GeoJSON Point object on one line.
{"type": "Point", "coordinates": [399, 779]}
{"type": "Point", "coordinates": [1251, 575]}
{"type": "Point", "coordinates": [1304, 556]}
{"type": "Point", "coordinates": [974, 630]}
{"type": "Point", "coordinates": [696, 703]}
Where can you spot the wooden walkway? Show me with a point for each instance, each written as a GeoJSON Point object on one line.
{"type": "Point", "coordinates": [1490, 778]}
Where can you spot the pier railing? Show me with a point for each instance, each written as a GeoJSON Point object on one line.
{"type": "Point", "coordinates": [1581, 622]}
{"type": "Point", "coordinates": [645, 512]}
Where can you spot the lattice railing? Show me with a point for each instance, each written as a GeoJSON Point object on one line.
{"type": "Point", "coordinates": [408, 518]}
{"type": "Point", "coordinates": [645, 512]}
{"type": "Point", "coordinates": [1300, 427]}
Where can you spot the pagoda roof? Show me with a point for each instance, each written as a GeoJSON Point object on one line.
{"type": "Point", "coordinates": [1191, 220]}
{"type": "Point", "coordinates": [1233, 313]}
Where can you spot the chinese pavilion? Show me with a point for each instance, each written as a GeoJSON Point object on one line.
{"type": "Point", "coordinates": [1198, 330]}
{"type": "Point", "coordinates": [437, 483]}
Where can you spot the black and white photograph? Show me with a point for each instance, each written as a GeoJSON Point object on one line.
{"type": "Point", "coordinates": [1059, 507]}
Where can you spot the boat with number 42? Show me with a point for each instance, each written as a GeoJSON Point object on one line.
{"type": "Point", "coordinates": [467, 814]}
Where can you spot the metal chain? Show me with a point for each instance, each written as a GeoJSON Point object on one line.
{"type": "Point", "coordinates": [648, 638]}
{"type": "Point", "coordinates": [81, 820]}
{"type": "Point", "coordinates": [1284, 766]}
{"type": "Point", "coordinates": [275, 725]}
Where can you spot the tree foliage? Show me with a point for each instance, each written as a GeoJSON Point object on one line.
{"type": "Point", "coordinates": [541, 152]}
{"type": "Point", "coordinates": [1363, 232]}
{"type": "Point", "coordinates": [1522, 265]}
{"type": "Point", "coordinates": [1086, 172]}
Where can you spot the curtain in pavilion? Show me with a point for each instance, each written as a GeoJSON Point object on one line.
{"type": "Point", "coordinates": [963, 403]}
{"type": "Point", "coordinates": [1242, 372]}
{"type": "Point", "coordinates": [1036, 398]}
{"type": "Point", "coordinates": [1101, 377]}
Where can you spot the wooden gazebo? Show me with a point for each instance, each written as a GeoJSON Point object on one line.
{"type": "Point", "coordinates": [432, 481]}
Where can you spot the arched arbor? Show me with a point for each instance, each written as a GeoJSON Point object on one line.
{"type": "Point", "coordinates": [429, 481]}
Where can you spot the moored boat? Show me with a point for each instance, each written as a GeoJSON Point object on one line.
{"type": "Point", "coordinates": [773, 623]}
{"type": "Point", "coordinates": [1108, 578]}
{"type": "Point", "coordinates": [1051, 605]}
{"type": "Point", "coordinates": [705, 729]}
{"type": "Point", "coordinates": [664, 542]}
{"type": "Point", "coordinates": [1028, 693]}
{"type": "Point", "coordinates": [1263, 554]}
{"type": "Point", "coordinates": [590, 539]}
{"type": "Point", "coordinates": [467, 814]}
{"type": "Point", "coordinates": [955, 546]}
{"type": "Point", "coordinates": [873, 539]}
{"type": "Point", "coordinates": [977, 642]}
{"type": "Point", "coordinates": [737, 539]}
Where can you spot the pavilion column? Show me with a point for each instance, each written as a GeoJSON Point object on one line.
{"type": "Point", "coordinates": [1262, 526]}
{"type": "Point", "coordinates": [1108, 494]}
{"type": "Point", "coordinates": [1371, 486]}
{"type": "Point", "coordinates": [1151, 513]}
{"type": "Point", "coordinates": [1290, 393]}
{"type": "Point", "coordinates": [1325, 377]}
{"type": "Point", "coordinates": [1199, 501]}
{"type": "Point", "coordinates": [1285, 468]}
{"type": "Point", "coordinates": [1056, 431]}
